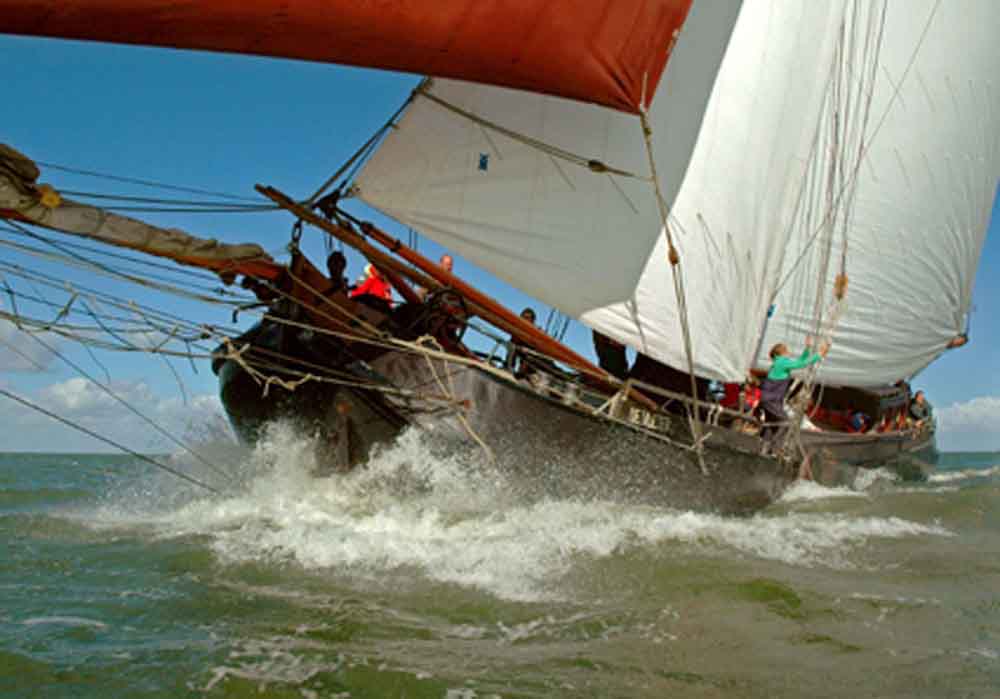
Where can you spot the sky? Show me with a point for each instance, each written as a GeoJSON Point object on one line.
{"type": "Point", "coordinates": [225, 123]}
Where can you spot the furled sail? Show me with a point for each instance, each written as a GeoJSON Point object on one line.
{"type": "Point", "coordinates": [779, 130]}
{"type": "Point", "coordinates": [22, 199]}
{"type": "Point", "coordinates": [601, 51]}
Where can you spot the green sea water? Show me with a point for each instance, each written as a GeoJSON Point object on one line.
{"type": "Point", "coordinates": [420, 577]}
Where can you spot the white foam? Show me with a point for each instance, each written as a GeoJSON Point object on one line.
{"type": "Point", "coordinates": [796, 538]}
{"type": "Point", "coordinates": [951, 476]}
{"type": "Point", "coordinates": [453, 519]}
{"type": "Point", "coordinates": [64, 621]}
{"type": "Point", "coordinates": [924, 490]}
{"type": "Point", "coordinates": [867, 478]}
{"type": "Point", "coordinates": [802, 490]}
{"type": "Point", "coordinates": [898, 599]}
{"type": "Point", "coordinates": [988, 653]}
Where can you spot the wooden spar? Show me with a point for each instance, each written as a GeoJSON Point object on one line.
{"type": "Point", "coordinates": [70, 218]}
{"type": "Point", "coordinates": [378, 258]}
{"type": "Point", "coordinates": [382, 260]}
{"type": "Point", "coordinates": [401, 285]}
{"type": "Point", "coordinates": [520, 329]}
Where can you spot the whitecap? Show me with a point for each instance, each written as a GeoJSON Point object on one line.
{"type": "Point", "coordinates": [868, 478]}
{"type": "Point", "coordinates": [964, 474]}
{"type": "Point", "coordinates": [803, 491]}
{"type": "Point", "coordinates": [453, 518]}
{"type": "Point", "coordinates": [64, 621]}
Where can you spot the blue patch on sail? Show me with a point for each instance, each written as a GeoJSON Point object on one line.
{"type": "Point", "coordinates": [484, 161]}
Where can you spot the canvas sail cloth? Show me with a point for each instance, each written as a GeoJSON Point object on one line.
{"type": "Point", "coordinates": [597, 51]}
{"type": "Point", "coordinates": [762, 146]}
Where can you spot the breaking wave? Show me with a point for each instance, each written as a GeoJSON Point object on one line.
{"type": "Point", "coordinates": [964, 474]}
{"type": "Point", "coordinates": [453, 518]}
{"type": "Point", "coordinates": [804, 491]}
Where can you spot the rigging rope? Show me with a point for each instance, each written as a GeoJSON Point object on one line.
{"type": "Point", "coordinates": [159, 200]}
{"type": "Point", "coordinates": [69, 423]}
{"type": "Point", "coordinates": [851, 100]}
{"type": "Point", "coordinates": [362, 153]}
{"type": "Point", "coordinates": [100, 268]}
{"type": "Point", "coordinates": [79, 261]}
{"type": "Point", "coordinates": [675, 267]}
{"type": "Point", "coordinates": [897, 88]}
{"type": "Point", "coordinates": [130, 407]}
{"type": "Point", "coordinates": [145, 183]}
{"type": "Point", "coordinates": [260, 208]}
{"type": "Point", "coordinates": [176, 269]}
{"type": "Point", "coordinates": [591, 164]}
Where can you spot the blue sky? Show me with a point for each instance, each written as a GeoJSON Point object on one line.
{"type": "Point", "coordinates": [225, 123]}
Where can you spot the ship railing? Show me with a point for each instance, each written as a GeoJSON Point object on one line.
{"type": "Point", "coordinates": [712, 411]}
{"type": "Point", "coordinates": [570, 389]}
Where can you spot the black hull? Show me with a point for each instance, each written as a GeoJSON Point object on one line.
{"type": "Point", "coordinates": [838, 456]}
{"type": "Point", "coordinates": [548, 449]}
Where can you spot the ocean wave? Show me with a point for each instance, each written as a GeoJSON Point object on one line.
{"type": "Point", "coordinates": [20, 498]}
{"type": "Point", "coordinates": [64, 621]}
{"type": "Point", "coordinates": [964, 474]}
{"type": "Point", "coordinates": [869, 478]}
{"type": "Point", "coordinates": [453, 518]}
{"type": "Point", "coordinates": [804, 491]}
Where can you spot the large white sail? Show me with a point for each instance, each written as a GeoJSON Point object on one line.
{"type": "Point", "coordinates": [754, 164]}
{"type": "Point", "coordinates": [916, 210]}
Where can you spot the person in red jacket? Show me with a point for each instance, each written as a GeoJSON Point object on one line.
{"type": "Point", "coordinates": [374, 290]}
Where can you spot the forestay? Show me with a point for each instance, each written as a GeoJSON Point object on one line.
{"type": "Point", "coordinates": [760, 122]}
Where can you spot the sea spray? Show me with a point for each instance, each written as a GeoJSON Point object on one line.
{"type": "Point", "coordinates": [451, 518]}
{"type": "Point", "coordinates": [424, 572]}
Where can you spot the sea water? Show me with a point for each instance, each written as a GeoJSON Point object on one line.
{"type": "Point", "coordinates": [422, 576]}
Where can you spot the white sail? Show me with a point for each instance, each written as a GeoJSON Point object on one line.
{"type": "Point", "coordinates": [921, 200]}
{"type": "Point", "coordinates": [748, 151]}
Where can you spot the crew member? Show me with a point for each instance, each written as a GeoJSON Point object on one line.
{"type": "Point", "coordinates": [374, 290]}
{"type": "Point", "coordinates": [446, 263]}
{"type": "Point", "coordinates": [336, 263]}
{"type": "Point", "coordinates": [611, 355]}
{"type": "Point", "coordinates": [524, 363]}
{"type": "Point", "coordinates": [920, 410]}
{"type": "Point", "coordinates": [779, 378]}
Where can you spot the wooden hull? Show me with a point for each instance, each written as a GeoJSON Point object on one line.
{"type": "Point", "coordinates": [837, 456]}
{"type": "Point", "coordinates": [545, 448]}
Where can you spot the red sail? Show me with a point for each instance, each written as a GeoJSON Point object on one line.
{"type": "Point", "coordinates": [590, 50]}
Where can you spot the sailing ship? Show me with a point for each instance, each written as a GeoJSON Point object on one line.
{"type": "Point", "coordinates": [696, 181]}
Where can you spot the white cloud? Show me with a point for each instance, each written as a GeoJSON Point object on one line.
{"type": "Point", "coordinates": [81, 402]}
{"type": "Point", "coordinates": [977, 415]}
{"type": "Point", "coordinates": [19, 352]}
{"type": "Point", "coordinates": [79, 397]}
{"type": "Point", "coordinates": [972, 425]}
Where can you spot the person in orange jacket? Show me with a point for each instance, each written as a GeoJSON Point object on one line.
{"type": "Point", "coordinates": [375, 288]}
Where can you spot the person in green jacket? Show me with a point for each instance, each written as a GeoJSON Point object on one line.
{"type": "Point", "coordinates": [779, 378]}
